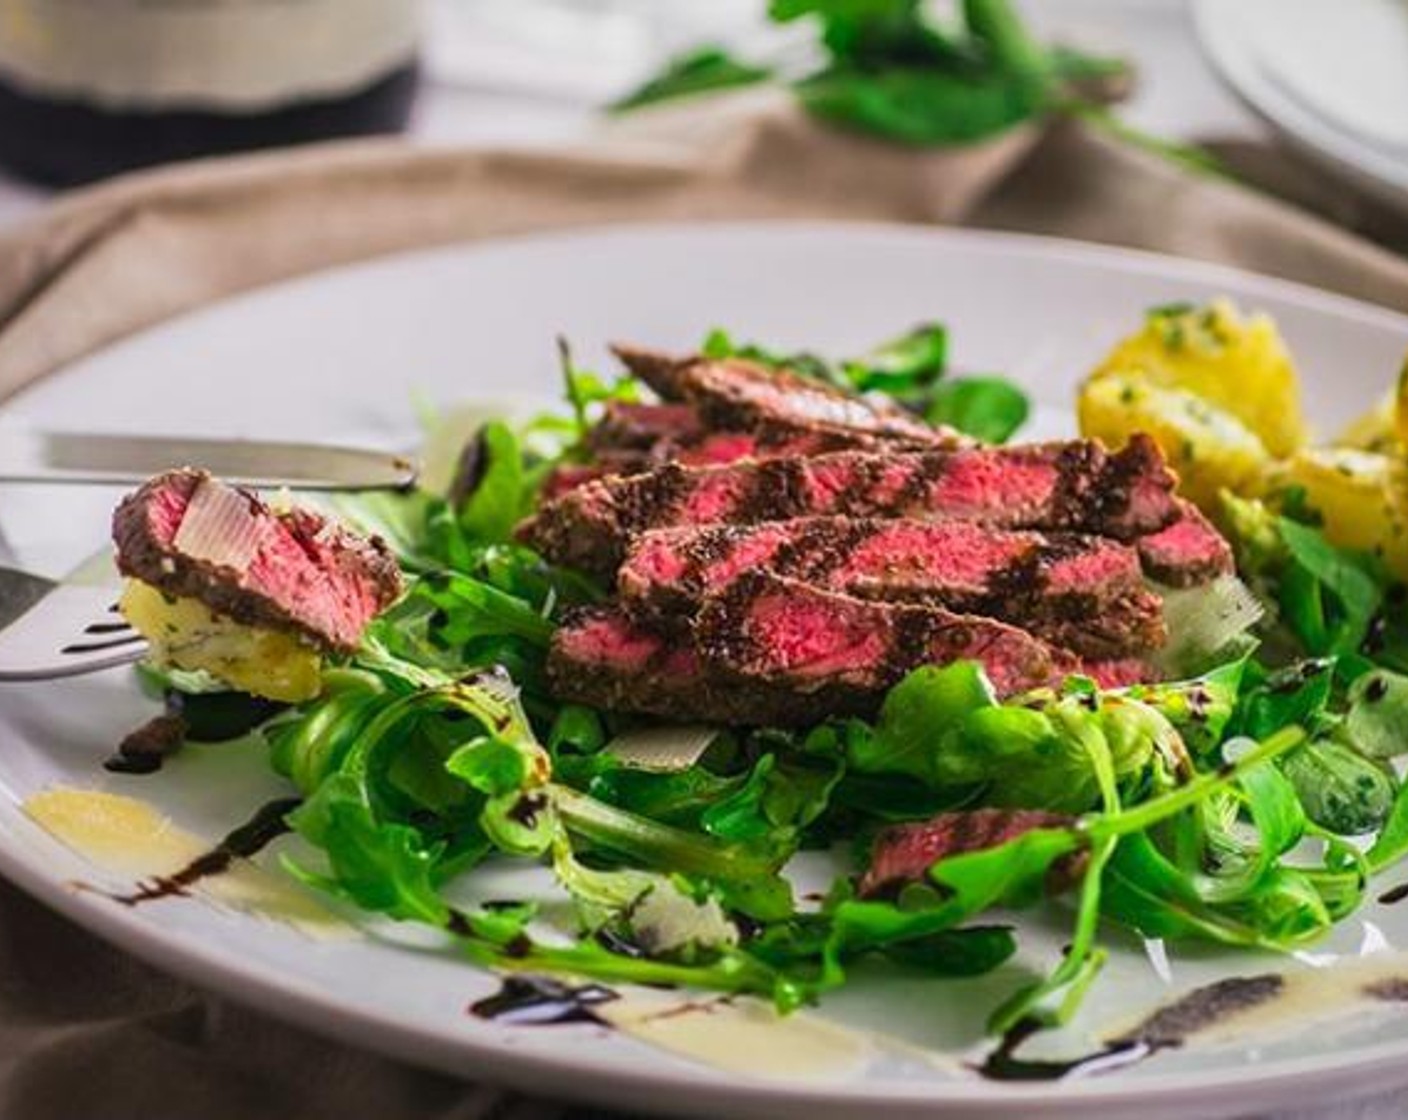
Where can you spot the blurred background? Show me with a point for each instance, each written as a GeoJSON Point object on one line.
{"type": "Point", "coordinates": [160, 82]}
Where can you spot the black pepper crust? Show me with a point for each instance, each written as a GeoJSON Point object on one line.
{"type": "Point", "coordinates": [732, 646]}
{"type": "Point", "coordinates": [591, 527]}
{"type": "Point", "coordinates": [654, 689]}
{"type": "Point", "coordinates": [735, 395]}
{"type": "Point", "coordinates": [1113, 618]}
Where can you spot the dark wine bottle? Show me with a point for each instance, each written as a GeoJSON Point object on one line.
{"type": "Point", "coordinates": [89, 88]}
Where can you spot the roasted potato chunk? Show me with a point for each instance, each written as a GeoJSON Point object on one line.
{"type": "Point", "coordinates": [1361, 496]}
{"type": "Point", "coordinates": [186, 634]}
{"type": "Point", "coordinates": [1240, 364]}
{"type": "Point", "coordinates": [1210, 448]}
{"type": "Point", "coordinates": [1376, 430]}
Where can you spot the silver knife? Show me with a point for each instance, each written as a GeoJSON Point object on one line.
{"type": "Point", "coordinates": [76, 457]}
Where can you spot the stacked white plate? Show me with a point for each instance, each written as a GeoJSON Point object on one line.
{"type": "Point", "coordinates": [1330, 75]}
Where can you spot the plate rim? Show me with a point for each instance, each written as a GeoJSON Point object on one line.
{"type": "Point", "coordinates": [320, 1010]}
{"type": "Point", "coordinates": [1054, 247]}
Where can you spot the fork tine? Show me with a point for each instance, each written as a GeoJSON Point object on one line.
{"type": "Point", "coordinates": [94, 647]}
{"type": "Point", "coordinates": [57, 636]}
{"type": "Point", "coordinates": [107, 627]}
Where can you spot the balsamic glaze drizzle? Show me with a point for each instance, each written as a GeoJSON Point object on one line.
{"type": "Point", "coordinates": [144, 750]}
{"type": "Point", "coordinates": [1003, 1064]}
{"type": "Point", "coordinates": [267, 824]}
{"type": "Point", "coordinates": [1394, 894]}
{"type": "Point", "coordinates": [525, 1000]}
{"type": "Point", "coordinates": [1165, 1029]}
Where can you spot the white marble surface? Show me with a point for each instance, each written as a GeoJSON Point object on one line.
{"type": "Point", "coordinates": [1178, 96]}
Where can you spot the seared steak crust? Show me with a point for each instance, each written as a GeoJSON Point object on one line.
{"type": "Point", "coordinates": [707, 450]}
{"type": "Point", "coordinates": [655, 368]}
{"type": "Point", "coordinates": [600, 656]}
{"type": "Point", "coordinates": [1188, 552]}
{"type": "Point", "coordinates": [1074, 486]}
{"type": "Point", "coordinates": [780, 632]}
{"type": "Point", "coordinates": [773, 652]}
{"type": "Point", "coordinates": [625, 426]}
{"type": "Point", "coordinates": [736, 395]}
{"type": "Point", "coordinates": [788, 552]}
{"type": "Point", "coordinates": [300, 573]}
{"type": "Point", "coordinates": [1083, 592]}
{"type": "Point", "coordinates": [718, 412]}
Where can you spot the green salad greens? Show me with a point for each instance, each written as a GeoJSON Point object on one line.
{"type": "Point", "coordinates": [1247, 805]}
{"type": "Point", "coordinates": [890, 69]}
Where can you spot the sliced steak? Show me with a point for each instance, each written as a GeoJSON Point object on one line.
{"type": "Point", "coordinates": [566, 477]}
{"type": "Point", "coordinates": [601, 657]}
{"type": "Point", "coordinates": [1075, 486]}
{"type": "Point", "coordinates": [1188, 552]}
{"type": "Point", "coordinates": [1086, 593]}
{"type": "Point", "coordinates": [626, 426]}
{"type": "Point", "coordinates": [769, 630]}
{"type": "Point", "coordinates": [613, 456]}
{"type": "Point", "coordinates": [191, 536]}
{"type": "Point", "coordinates": [660, 371]}
{"type": "Point", "coordinates": [1120, 672]}
{"type": "Point", "coordinates": [736, 395]}
{"type": "Point", "coordinates": [903, 853]}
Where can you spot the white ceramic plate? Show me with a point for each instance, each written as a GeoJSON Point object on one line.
{"type": "Point", "coordinates": [339, 355]}
{"type": "Point", "coordinates": [1332, 78]}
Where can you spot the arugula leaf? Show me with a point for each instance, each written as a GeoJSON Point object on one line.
{"type": "Point", "coordinates": [747, 876]}
{"type": "Point", "coordinates": [919, 715]}
{"type": "Point", "coordinates": [945, 727]}
{"type": "Point", "coordinates": [1376, 723]}
{"type": "Point", "coordinates": [1074, 69]}
{"type": "Point", "coordinates": [1297, 695]}
{"type": "Point", "coordinates": [1229, 889]}
{"type": "Point", "coordinates": [577, 728]}
{"type": "Point", "coordinates": [1341, 790]}
{"type": "Point", "coordinates": [469, 609]}
{"type": "Point", "coordinates": [990, 408]}
{"type": "Point", "coordinates": [1144, 890]}
{"type": "Point", "coordinates": [778, 800]}
{"type": "Point", "coordinates": [1337, 626]}
{"type": "Point", "coordinates": [676, 798]}
{"type": "Point", "coordinates": [1201, 709]}
{"type": "Point", "coordinates": [383, 867]}
{"type": "Point", "coordinates": [706, 69]}
{"type": "Point", "coordinates": [585, 390]}
{"type": "Point", "coordinates": [969, 951]}
{"type": "Point", "coordinates": [1391, 845]}
{"type": "Point", "coordinates": [903, 366]}
{"type": "Point", "coordinates": [495, 500]}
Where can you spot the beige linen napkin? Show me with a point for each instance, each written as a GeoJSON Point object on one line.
{"type": "Point", "coordinates": [85, 1031]}
{"type": "Point", "coordinates": [115, 258]}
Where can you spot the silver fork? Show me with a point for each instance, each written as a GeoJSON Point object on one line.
{"type": "Point", "coordinates": [50, 630]}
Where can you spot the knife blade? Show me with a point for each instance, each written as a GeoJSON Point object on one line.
{"type": "Point", "coordinates": [78, 457]}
